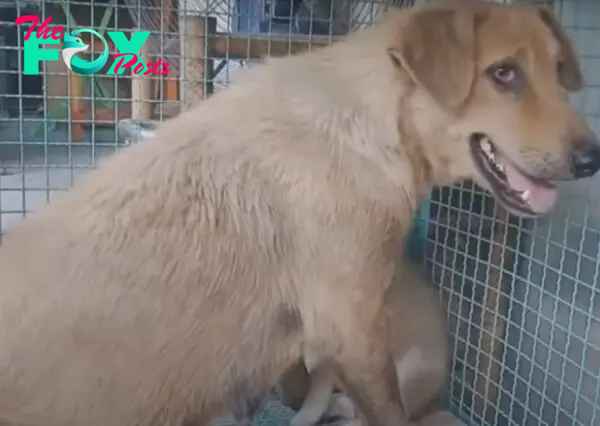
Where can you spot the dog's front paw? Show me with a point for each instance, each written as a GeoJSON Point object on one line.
{"type": "Point", "coordinates": [341, 407]}
{"type": "Point", "coordinates": [306, 417]}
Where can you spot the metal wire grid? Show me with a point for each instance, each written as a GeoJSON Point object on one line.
{"type": "Point", "coordinates": [523, 306]}
{"type": "Point", "coordinates": [41, 148]}
{"type": "Point", "coordinates": [522, 296]}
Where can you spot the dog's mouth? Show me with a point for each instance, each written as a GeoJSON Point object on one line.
{"type": "Point", "coordinates": [518, 191]}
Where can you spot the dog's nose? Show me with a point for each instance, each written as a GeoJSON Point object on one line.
{"type": "Point", "coordinates": [586, 158]}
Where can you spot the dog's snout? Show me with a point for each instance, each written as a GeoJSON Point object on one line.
{"type": "Point", "coordinates": [586, 157]}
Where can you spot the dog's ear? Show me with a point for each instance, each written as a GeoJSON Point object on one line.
{"type": "Point", "coordinates": [438, 51]}
{"type": "Point", "coordinates": [569, 69]}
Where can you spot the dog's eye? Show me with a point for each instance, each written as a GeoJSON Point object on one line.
{"type": "Point", "coordinates": [507, 76]}
{"type": "Point", "coordinates": [504, 74]}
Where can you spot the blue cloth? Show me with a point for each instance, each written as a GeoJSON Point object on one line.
{"type": "Point", "coordinates": [248, 16]}
{"type": "Point", "coordinates": [253, 17]}
{"type": "Point", "coordinates": [417, 238]}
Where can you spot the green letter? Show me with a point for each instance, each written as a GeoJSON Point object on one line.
{"type": "Point", "coordinates": [128, 46]}
{"type": "Point", "coordinates": [32, 54]}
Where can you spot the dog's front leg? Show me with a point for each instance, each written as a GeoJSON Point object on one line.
{"type": "Point", "coordinates": [366, 369]}
{"type": "Point", "coordinates": [322, 384]}
{"type": "Point", "coordinates": [352, 337]}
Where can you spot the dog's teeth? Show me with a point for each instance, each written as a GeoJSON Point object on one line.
{"type": "Point", "coordinates": [486, 146]}
{"type": "Point", "coordinates": [487, 149]}
{"type": "Point", "coordinates": [501, 168]}
{"type": "Point", "coordinates": [525, 195]}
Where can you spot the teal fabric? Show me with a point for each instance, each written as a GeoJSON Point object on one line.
{"type": "Point", "coordinates": [417, 238]}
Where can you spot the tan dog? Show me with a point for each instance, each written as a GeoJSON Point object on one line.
{"type": "Point", "coordinates": [201, 264]}
{"type": "Point", "coordinates": [419, 344]}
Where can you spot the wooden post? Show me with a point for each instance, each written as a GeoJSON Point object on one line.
{"type": "Point", "coordinates": [170, 89]}
{"type": "Point", "coordinates": [77, 111]}
{"type": "Point", "coordinates": [492, 329]}
{"type": "Point", "coordinates": [196, 67]}
{"type": "Point", "coordinates": [141, 90]}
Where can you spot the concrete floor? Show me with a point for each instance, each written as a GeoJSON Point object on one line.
{"type": "Point", "coordinates": [32, 170]}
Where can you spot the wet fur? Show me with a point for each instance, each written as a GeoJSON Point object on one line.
{"type": "Point", "coordinates": [419, 344]}
{"type": "Point", "coordinates": [202, 263]}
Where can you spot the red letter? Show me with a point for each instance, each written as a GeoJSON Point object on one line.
{"type": "Point", "coordinates": [167, 69]}
{"type": "Point", "coordinates": [155, 70]}
{"type": "Point", "coordinates": [59, 30]}
{"type": "Point", "coordinates": [137, 70]}
{"type": "Point", "coordinates": [131, 62]}
{"type": "Point", "coordinates": [43, 31]}
{"type": "Point", "coordinates": [149, 70]}
{"type": "Point", "coordinates": [27, 18]}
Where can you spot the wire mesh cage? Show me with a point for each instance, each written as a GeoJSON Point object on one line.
{"type": "Point", "coordinates": [521, 295]}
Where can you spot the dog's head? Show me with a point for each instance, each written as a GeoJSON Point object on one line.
{"type": "Point", "coordinates": [500, 74]}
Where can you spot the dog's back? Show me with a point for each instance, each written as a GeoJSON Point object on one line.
{"type": "Point", "coordinates": [104, 296]}
{"type": "Point", "coordinates": [167, 282]}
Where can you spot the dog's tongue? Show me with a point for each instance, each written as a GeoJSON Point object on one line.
{"type": "Point", "coordinates": [541, 198]}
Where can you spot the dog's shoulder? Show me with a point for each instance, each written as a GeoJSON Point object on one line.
{"type": "Point", "coordinates": [286, 135]}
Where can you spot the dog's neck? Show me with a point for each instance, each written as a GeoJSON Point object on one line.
{"type": "Point", "coordinates": [403, 118]}
{"type": "Point", "coordinates": [381, 119]}
{"type": "Point", "coordinates": [428, 133]}
{"type": "Point", "coordinates": [369, 115]}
